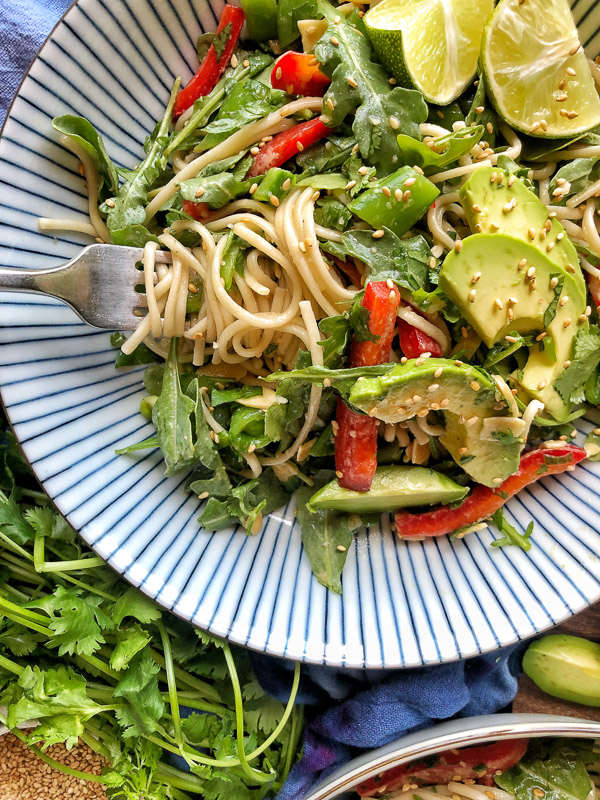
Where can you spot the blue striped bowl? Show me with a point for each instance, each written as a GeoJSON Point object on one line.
{"type": "Point", "coordinates": [403, 604]}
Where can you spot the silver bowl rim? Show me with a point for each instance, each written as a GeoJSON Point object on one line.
{"type": "Point", "coordinates": [449, 734]}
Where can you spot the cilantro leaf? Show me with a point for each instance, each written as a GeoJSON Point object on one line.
{"type": "Point", "coordinates": [144, 705]}
{"type": "Point", "coordinates": [13, 521]}
{"type": "Point", "coordinates": [570, 384]}
{"type": "Point", "coordinates": [132, 603]}
{"type": "Point", "coordinates": [550, 312]}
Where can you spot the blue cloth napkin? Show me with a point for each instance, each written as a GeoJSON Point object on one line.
{"type": "Point", "coordinates": [347, 710]}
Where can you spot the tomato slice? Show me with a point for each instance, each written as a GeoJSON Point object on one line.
{"type": "Point", "coordinates": [479, 763]}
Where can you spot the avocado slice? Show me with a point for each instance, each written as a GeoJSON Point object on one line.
{"type": "Point", "coordinates": [502, 285]}
{"type": "Point", "coordinates": [565, 666]}
{"type": "Point", "coordinates": [393, 487]}
{"type": "Point", "coordinates": [465, 395]}
{"type": "Point", "coordinates": [485, 200]}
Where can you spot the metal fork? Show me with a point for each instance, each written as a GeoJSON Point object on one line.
{"type": "Point", "coordinates": [99, 284]}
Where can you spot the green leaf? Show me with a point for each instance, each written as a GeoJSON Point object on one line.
{"type": "Point", "coordinates": [261, 712]}
{"type": "Point", "coordinates": [404, 261]}
{"type": "Point", "coordinates": [129, 641]}
{"type": "Point", "coordinates": [550, 312]}
{"type": "Point", "coordinates": [216, 515]}
{"type": "Point", "coordinates": [580, 173]}
{"type": "Point", "coordinates": [172, 416]}
{"type": "Point", "coordinates": [141, 355]}
{"type": "Point", "coordinates": [132, 603]}
{"type": "Point", "coordinates": [341, 379]}
{"type": "Point", "coordinates": [563, 776]}
{"type": "Point", "coordinates": [371, 100]}
{"type": "Point", "coordinates": [13, 522]}
{"type": "Point", "coordinates": [289, 12]}
{"type": "Point", "coordinates": [133, 236]}
{"type": "Point", "coordinates": [86, 136]}
{"type": "Point", "coordinates": [130, 204]}
{"type": "Point", "coordinates": [330, 213]}
{"type": "Point", "coordinates": [206, 453]}
{"type": "Point", "coordinates": [144, 704]}
{"type": "Point", "coordinates": [233, 259]}
{"type": "Point", "coordinates": [511, 534]}
{"type": "Point", "coordinates": [326, 537]}
{"type": "Point", "coordinates": [448, 149]}
{"type": "Point", "coordinates": [586, 357]}
{"type": "Point", "coordinates": [247, 102]}
{"type": "Point", "coordinates": [18, 640]}
{"type": "Point", "coordinates": [592, 446]}
{"type": "Point", "coordinates": [338, 340]}
{"type": "Point", "coordinates": [215, 190]}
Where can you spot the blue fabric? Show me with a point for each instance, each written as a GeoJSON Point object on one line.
{"type": "Point", "coordinates": [347, 710]}
{"type": "Point", "coordinates": [24, 24]}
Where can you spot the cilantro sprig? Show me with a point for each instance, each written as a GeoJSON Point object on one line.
{"type": "Point", "coordinates": [93, 659]}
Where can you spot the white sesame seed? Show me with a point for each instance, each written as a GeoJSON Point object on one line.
{"type": "Point", "coordinates": [378, 234]}
{"type": "Point", "coordinates": [472, 295]}
{"type": "Point", "coordinates": [406, 195]}
{"type": "Point", "coordinates": [350, 185]}
{"type": "Point", "coordinates": [394, 123]}
{"type": "Point", "coordinates": [278, 73]}
{"type": "Point", "coordinates": [498, 303]}
{"type": "Point", "coordinates": [476, 277]}
{"type": "Point", "coordinates": [334, 41]}
{"type": "Point", "coordinates": [386, 191]}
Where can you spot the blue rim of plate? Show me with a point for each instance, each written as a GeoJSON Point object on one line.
{"type": "Point", "coordinates": [403, 604]}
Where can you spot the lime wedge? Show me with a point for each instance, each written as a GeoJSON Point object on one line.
{"type": "Point", "coordinates": [431, 45]}
{"type": "Point", "coordinates": [536, 71]}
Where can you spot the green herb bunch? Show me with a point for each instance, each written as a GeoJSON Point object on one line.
{"type": "Point", "coordinates": [92, 659]}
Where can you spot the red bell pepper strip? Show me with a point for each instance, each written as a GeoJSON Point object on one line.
{"type": "Point", "coordinates": [211, 68]}
{"type": "Point", "coordinates": [594, 288]}
{"type": "Point", "coordinates": [288, 144]}
{"type": "Point", "coordinates": [198, 211]}
{"type": "Point", "coordinates": [297, 73]}
{"type": "Point", "coordinates": [413, 341]}
{"type": "Point", "coordinates": [451, 764]}
{"type": "Point", "coordinates": [356, 438]}
{"type": "Point", "coordinates": [484, 501]}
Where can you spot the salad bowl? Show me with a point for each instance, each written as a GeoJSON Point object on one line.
{"type": "Point", "coordinates": [449, 735]}
{"type": "Point", "coordinates": [403, 604]}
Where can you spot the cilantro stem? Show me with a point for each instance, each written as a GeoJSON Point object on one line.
{"type": "Point", "coordinates": [172, 686]}
{"type": "Point", "coordinates": [191, 701]}
{"type": "Point", "coordinates": [292, 747]}
{"type": "Point", "coordinates": [178, 779]}
{"type": "Point", "coordinates": [239, 716]}
{"type": "Point", "coordinates": [286, 715]}
{"type": "Point", "coordinates": [11, 666]}
{"type": "Point", "coordinates": [15, 547]}
{"type": "Point", "coordinates": [41, 565]}
{"type": "Point", "coordinates": [100, 665]}
{"type": "Point", "coordinates": [82, 776]}
{"type": "Point", "coordinates": [205, 689]}
{"type": "Point", "coordinates": [86, 586]}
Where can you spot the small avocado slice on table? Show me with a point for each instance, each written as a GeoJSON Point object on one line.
{"type": "Point", "coordinates": [465, 395]}
{"type": "Point", "coordinates": [393, 487]}
{"type": "Point", "coordinates": [565, 666]}
{"type": "Point", "coordinates": [486, 197]}
{"type": "Point", "coordinates": [503, 284]}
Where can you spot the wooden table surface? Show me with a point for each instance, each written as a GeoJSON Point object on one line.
{"type": "Point", "coordinates": [531, 699]}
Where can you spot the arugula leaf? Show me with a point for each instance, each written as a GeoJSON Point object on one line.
{"type": "Point", "coordinates": [330, 213]}
{"type": "Point", "coordinates": [326, 538]}
{"type": "Point", "coordinates": [448, 149]}
{"type": "Point", "coordinates": [219, 397]}
{"type": "Point", "coordinates": [404, 261]}
{"type": "Point", "coordinates": [215, 190]}
{"type": "Point", "coordinates": [341, 379]}
{"type": "Point", "coordinates": [130, 204]}
{"type": "Point", "coordinates": [214, 479]}
{"type": "Point", "coordinates": [87, 137]}
{"type": "Point", "coordinates": [579, 173]}
{"type": "Point", "coordinates": [141, 355]}
{"type": "Point", "coordinates": [172, 416]}
{"type": "Point", "coordinates": [361, 180]}
{"type": "Point", "coordinates": [247, 102]}
{"type": "Point", "coordinates": [133, 236]}
{"type": "Point", "coordinates": [586, 357]}
{"type": "Point", "coordinates": [289, 13]}
{"type": "Point", "coordinates": [371, 100]}
{"type": "Point", "coordinates": [335, 346]}
{"type": "Point", "coordinates": [233, 259]}
{"type": "Point", "coordinates": [562, 776]}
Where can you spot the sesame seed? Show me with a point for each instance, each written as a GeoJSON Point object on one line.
{"type": "Point", "coordinates": [560, 98]}
{"type": "Point", "coordinates": [286, 184]}
{"type": "Point", "coordinates": [550, 246]}
{"type": "Point", "coordinates": [493, 177]}
{"type": "Point", "coordinates": [566, 365]}
{"type": "Point", "coordinates": [480, 109]}
{"type": "Point", "coordinates": [564, 300]}
{"type": "Point", "coordinates": [302, 247]}
{"type": "Point", "coordinates": [582, 318]}
{"type": "Point", "coordinates": [475, 386]}
{"type": "Point", "coordinates": [362, 170]}
{"type": "Point", "coordinates": [410, 182]}
{"type": "Point", "coordinates": [563, 112]}
{"type": "Point", "coordinates": [497, 481]}
{"type": "Point", "coordinates": [507, 207]}
{"type": "Point", "coordinates": [531, 233]}
{"type": "Point", "coordinates": [341, 548]}
{"type": "Point", "coordinates": [458, 246]}
{"type": "Point", "coordinates": [394, 123]}
{"type": "Point", "coordinates": [541, 336]}
{"type": "Point", "coordinates": [490, 127]}
{"type": "Point", "coordinates": [472, 295]}
{"type": "Point", "coordinates": [255, 151]}
{"type": "Point", "coordinates": [110, 202]}
{"type": "Point", "coordinates": [574, 49]}
{"type": "Point", "coordinates": [403, 360]}
{"type": "Point", "coordinates": [522, 263]}
{"type": "Point", "coordinates": [389, 283]}
{"type": "Point", "coordinates": [299, 147]}
{"type": "Point", "coordinates": [433, 387]}
{"type": "Point", "coordinates": [375, 121]}
{"type": "Point", "coordinates": [253, 188]}
{"type": "Point", "coordinates": [339, 473]}
{"type": "Point", "coordinates": [588, 311]}
{"type": "Point", "coordinates": [445, 402]}
{"type": "Point", "coordinates": [570, 268]}
{"type": "Point", "coordinates": [406, 195]}
{"type": "Point", "coordinates": [350, 185]}
{"type": "Point", "coordinates": [386, 191]}
{"type": "Point", "coordinates": [572, 115]}
{"type": "Point", "coordinates": [567, 322]}
{"type": "Point", "coordinates": [334, 41]}
{"type": "Point", "coordinates": [200, 192]}
{"type": "Point", "coordinates": [511, 180]}
{"type": "Point", "coordinates": [511, 339]}
{"type": "Point", "coordinates": [570, 71]}
{"type": "Point", "coordinates": [463, 451]}
{"type": "Point", "coordinates": [378, 234]}
{"type": "Point", "coordinates": [535, 127]}
{"type": "Point", "coordinates": [350, 80]}
{"type": "Point", "coordinates": [459, 363]}
{"type": "Point", "coordinates": [494, 227]}
{"type": "Point", "coordinates": [530, 272]}
{"type": "Point", "coordinates": [476, 277]}
{"type": "Point", "coordinates": [472, 421]}
{"type": "Point", "coordinates": [500, 178]}
{"type": "Point", "coordinates": [476, 208]}
{"type": "Point", "coordinates": [274, 200]}
{"type": "Point", "coordinates": [499, 304]}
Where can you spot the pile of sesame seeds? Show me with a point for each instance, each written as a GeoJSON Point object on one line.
{"type": "Point", "coordinates": [23, 776]}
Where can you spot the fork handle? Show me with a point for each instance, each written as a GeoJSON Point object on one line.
{"type": "Point", "coordinates": [13, 279]}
